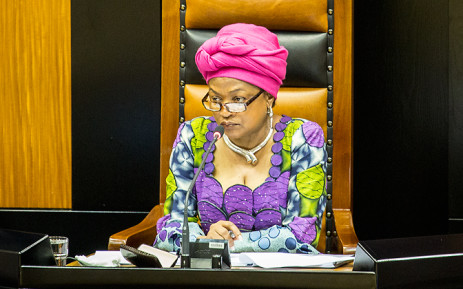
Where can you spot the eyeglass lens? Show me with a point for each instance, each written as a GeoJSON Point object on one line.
{"type": "Point", "coordinates": [231, 106]}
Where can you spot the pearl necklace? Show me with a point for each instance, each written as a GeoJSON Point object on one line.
{"type": "Point", "coordinates": [249, 154]}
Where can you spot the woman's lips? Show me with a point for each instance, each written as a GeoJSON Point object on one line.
{"type": "Point", "coordinates": [228, 124]}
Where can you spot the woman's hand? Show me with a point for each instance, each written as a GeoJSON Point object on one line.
{"type": "Point", "coordinates": [223, 230]}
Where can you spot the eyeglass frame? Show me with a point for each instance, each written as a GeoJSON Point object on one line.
{"type": "Point", "coordinates": [225, 104]}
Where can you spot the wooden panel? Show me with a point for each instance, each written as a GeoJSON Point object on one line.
{"type": "Point", "coordinates": [35, 104]}
{"type": "Point", "coordinates": [170, 86]}
{"type": "Point", "coordinates": [342, 105]}
{"type": "Point", "coordinates": [273, 14]}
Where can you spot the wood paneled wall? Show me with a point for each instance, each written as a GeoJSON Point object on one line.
{"type": "Point", "coordinates": [35, 104]}
{"type": "Point", "coordinates": [170, 86]}
{"type": "Point", "coordinates": [343, 99]}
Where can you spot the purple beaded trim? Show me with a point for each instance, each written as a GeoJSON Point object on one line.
{"type": "Point", "coordinates": [209, 166]}
{"type": "Point", "coordinates": [285, 119]}
{"type": "Point", "coordinates": [277, 159]}
{"type": "Point", "coordinates": [209, 136]}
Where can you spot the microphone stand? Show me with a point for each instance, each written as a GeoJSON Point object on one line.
{"type": "Point", "coordinates": [185, 257]}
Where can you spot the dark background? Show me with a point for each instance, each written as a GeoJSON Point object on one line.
{"type": "Point", "coordinates": [116, 85]}
{"type": "Point", "coordinates": [408, 120]}
{"type": "Point", "coordinates": [401, 121]}
{"type": "Point", "coordinates": [408, 138]}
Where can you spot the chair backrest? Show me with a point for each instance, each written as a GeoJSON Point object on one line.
{"type": "Point", "coordinates": [318, 84]}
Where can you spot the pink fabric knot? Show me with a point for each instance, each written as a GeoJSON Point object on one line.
{"type": "Point", "coordinates": [246, 52]}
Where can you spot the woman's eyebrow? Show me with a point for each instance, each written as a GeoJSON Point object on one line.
{"type": "Point", "coordinates": [233, 91]}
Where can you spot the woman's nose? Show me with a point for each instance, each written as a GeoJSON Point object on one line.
{"type": "Point", "coordinates": [224, 112]}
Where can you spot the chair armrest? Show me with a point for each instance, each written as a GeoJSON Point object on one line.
{"type": "Point", "coordinates": [347, 239]}
{"type": "Point", "coordinates": [142, 233]}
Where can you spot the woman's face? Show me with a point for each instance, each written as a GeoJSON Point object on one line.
{"type": "Point", "coordinates": [243, 128]}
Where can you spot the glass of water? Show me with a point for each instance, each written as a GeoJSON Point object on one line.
{"type": "Point", "coordinates": [60, 247]}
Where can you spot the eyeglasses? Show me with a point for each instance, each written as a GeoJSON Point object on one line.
{"type": "Point", "coordinates": [230, 106]}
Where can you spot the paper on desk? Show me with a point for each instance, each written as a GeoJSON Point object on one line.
{"type": "Point", "coordinates": [280, 260]}
{"type": "Point", "coordinates": [103, 259]}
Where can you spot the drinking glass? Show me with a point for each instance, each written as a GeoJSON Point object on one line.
{"type": "Point", "coordinates": [60, 247]}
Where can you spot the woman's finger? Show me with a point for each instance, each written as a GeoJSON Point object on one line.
{"type": "Point", "coordinates": [219, 231]}
{"type": "Point", "coordinates": [233, 230]}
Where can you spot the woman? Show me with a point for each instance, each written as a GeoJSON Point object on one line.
{"type": "Point", "coordinates": [263, 186]}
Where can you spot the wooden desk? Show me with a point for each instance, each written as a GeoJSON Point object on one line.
{"type": "Point", "coordinates": [243, 277]}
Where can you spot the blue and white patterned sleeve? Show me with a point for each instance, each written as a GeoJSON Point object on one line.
{"type": "Point", "coordinates": [181, 172]}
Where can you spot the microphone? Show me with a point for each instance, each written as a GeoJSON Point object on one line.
{"type": "Point", "coordinates": [186, 258]}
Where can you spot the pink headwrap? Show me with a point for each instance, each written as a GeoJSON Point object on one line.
{"type": "Point", "coordinates": [246, 52]}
